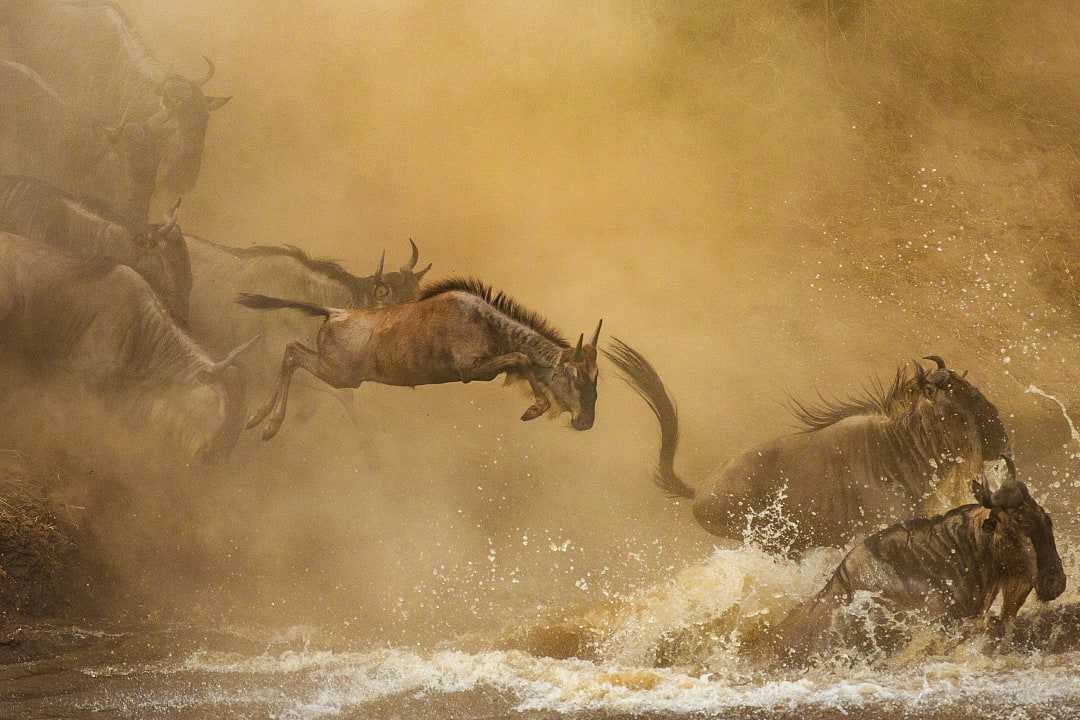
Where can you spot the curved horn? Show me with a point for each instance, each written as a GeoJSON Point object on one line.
{"type": "Point", "coordinates": [579, 352]}
{"type": "Point", "coordinates": [221, 365]}
{"type": "Point", "coordinates": [1012, 492]}
{"type": "Point", "coordinates": [596, 335]}
{"type": "Point", "coordinates": [171, 218]}
{"type": "Point", "coordinates": [378, 272]}
{"type": "Point", "coordinates": [937, 359]}
{"type": "Point", "coordinates": [920, 372]}
{"type": "Point", "coordinates": [420, 275]}
{"type": "Point", "coordinates": [407, 267]}
{"type": "Point", "coordinates": [210, 70]}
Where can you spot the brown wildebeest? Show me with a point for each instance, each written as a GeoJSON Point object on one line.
{"type": "Point", "coordinates": [950, 567]}
{"type": "Point", "coordinates": [99, 323]}
{"type": "Point", "coordinates": [459, 330]}
{"type": "Point", "coordinates": [856, 466]}
{"type": "Point", "coordinates": [94, 57]}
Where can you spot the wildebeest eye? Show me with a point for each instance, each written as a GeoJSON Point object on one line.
{"type": "Point", "coordinates": [381, 291]}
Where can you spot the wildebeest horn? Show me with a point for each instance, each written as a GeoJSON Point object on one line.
{"type": "Point", "coordinates": [210, 70]}
{"type": "Point", "coordinates": [407, 267]}
{"type": "Point", "coordinates": [171, 218]}
{"type": "Point", "coordinates": [937, 359]}
{"type": "Point", "coordinates": [579, 352]}
{"type": "Point", "coordinates": [1012, 492]}
{"type": "Point", "coordinates": [235, 353]}
{"type": "Point", "coordinates": [420, 275]}
{"type": "Point", "coordinates": [596, 335]}
{"type": "Point", "coordinates": [378, 272]}
{"type": "Point", "coordinates": [920, 373]}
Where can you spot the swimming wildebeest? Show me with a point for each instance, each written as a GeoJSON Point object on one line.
{"type": "Point", "coordinates": [94, 58]}
{"type": "Point", "coordinates": [855, 467]}
{"type": "Point", "coordinates": [949, 567]}
{"type": "Point", "coordinates": [101, 324]}
{"type": "Point", "coordinates": [457, 331]}
{"type": "Point", "coordinates": [35, 210]}
{"type": "Point", "coordinates": [44, 137]}
{"type": "Point", "coordinates": [221, 272]}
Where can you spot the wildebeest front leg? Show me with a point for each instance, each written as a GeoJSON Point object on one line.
{"type": "Point", "coordinates": [488, 369]}
{"type": "Point", "coordinates": [541, 404]}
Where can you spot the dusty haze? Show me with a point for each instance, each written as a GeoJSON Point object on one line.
{"type": "Point", "coordinates": [763, 197]}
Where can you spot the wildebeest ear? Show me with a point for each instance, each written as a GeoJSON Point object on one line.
{"type": "Point", "coordinates": [216, 103]}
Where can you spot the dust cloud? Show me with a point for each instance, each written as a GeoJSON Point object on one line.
{"type": "Point", "coordinates": [764, 197]}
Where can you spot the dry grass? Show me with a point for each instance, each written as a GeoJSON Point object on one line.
{"type": "Point", "coordinates": [36, 548]}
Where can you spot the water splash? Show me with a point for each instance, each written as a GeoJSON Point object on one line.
{"type": "Point", "coordinates": [1073, 433]}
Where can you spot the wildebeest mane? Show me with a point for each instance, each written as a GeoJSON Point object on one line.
{"type": "Point", "coordinates": [14, 187]}
{"type": "Point", "coordinates": [877, 398]}
{"type": "Point", "coordinates": [498, 300]}
{"type": "Point", "coordinates": [328, 268]}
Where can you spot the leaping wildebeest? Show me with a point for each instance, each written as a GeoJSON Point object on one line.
{"type": "Point", "coordinates": [35, 210]}
{"type": "Point", "coordinates": [221, 272]}
{"type": "Point", "coordinates": [459, 330]}
{"type": "Point", "coordinates": [949, 567]}
{"type": "Point", "coordinates": [855, 467]}
{"type": "Point", "coordinates": [100, 324]}
{"type": "Point", "coordinates": [93, 56]}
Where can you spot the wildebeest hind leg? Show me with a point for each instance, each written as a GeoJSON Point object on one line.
{"type": "Point", "coordinates": [297, 355]}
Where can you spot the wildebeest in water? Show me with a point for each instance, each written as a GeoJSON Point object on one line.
{"type": "Point", "coordinates": [457, 331]}
{"type": "Point", "coordinates": [100, 324]}
{"type": "Point", "coordinates": [949, 567]}
{"type": "Point", "coordinates": [95, 59]}
{"type": "Point", "coordinates": [855, 467]}
{"type": "Point", "coordinates": [38, 211]}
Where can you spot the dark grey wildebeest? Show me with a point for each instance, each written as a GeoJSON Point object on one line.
{"type": "Point", "coordinates": [94, 58]}
{"type": "Point", "coordinates": [102, 324]}
{"type": "Point", "coordinates": [459, 330]}
{"type": "Point", "coordinates": [221, 272]}
{"type": "Point", "coordinates": [901, 451]}
{"type": "Point", "coordinates": [949, 567]}
{"type": "Point", "coordinates": [40, 212]}
{"type": "Point", "coordinates": [45, 137]}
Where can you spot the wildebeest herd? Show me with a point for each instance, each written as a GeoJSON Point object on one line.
{"type": "Point", "coordinates": [168, 328]}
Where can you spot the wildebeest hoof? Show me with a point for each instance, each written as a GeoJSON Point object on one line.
{"type": "Point", "coordinates": [532, 413]}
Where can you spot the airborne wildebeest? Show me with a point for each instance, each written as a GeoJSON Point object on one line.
{"type": "Point", "coordinates": [457, 331]}
{"type": "Point", "coordinates": [221, 272]}
{"type": "Point", "coordinates": [35, 210]}
{"type": "Point", "coordinates": [44, 137]}
{"type": "Point", "coordinates": [94, 58]}
{"type": "Point", "coordinates": [857, 465]}
{"type": "Point", "coordinates": [101, 323]}
{"type": "Point", "coordinates": [949, 567]}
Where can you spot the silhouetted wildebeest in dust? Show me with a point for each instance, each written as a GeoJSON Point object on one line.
{"type": "Point", "coordinates": [35, 210]}
{"type": "Point", "coordinates": [101, 324]}
{"type": "Point", "coordinates": [97, 62]}
{"type": "Point", "coordinates": [45, 137]}
{"type": "Point", "coordinates": [857, 465]}
{"type": "Point", "coordinates": [457, 331]}
{"type": "Point", "coordinates": [949, 567]}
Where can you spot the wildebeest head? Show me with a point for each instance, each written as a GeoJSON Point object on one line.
{"type": "Point", "coordinates": [173, 137]}
{"type": "Point", "coordinates": [390, 288]}
{"type": "Point", "coordinates": [574, 379]}
{"type": "Point", "coordinates": [1022, 529]}
{"type": "Point", "coordinates": [952, 394]}
{"type": "Point", "coordinates": [165, 262]}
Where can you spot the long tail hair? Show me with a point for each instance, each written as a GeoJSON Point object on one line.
{"type": "Point", "coordinates": [265, 302]}
{"type": "Point", "coordinates": [645, 381]}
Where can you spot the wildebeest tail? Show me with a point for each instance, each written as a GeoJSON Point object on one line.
{"type": "Point", "coordinates": [646, 382]}
{"type": "Point", "coordinates": [265, 302]}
